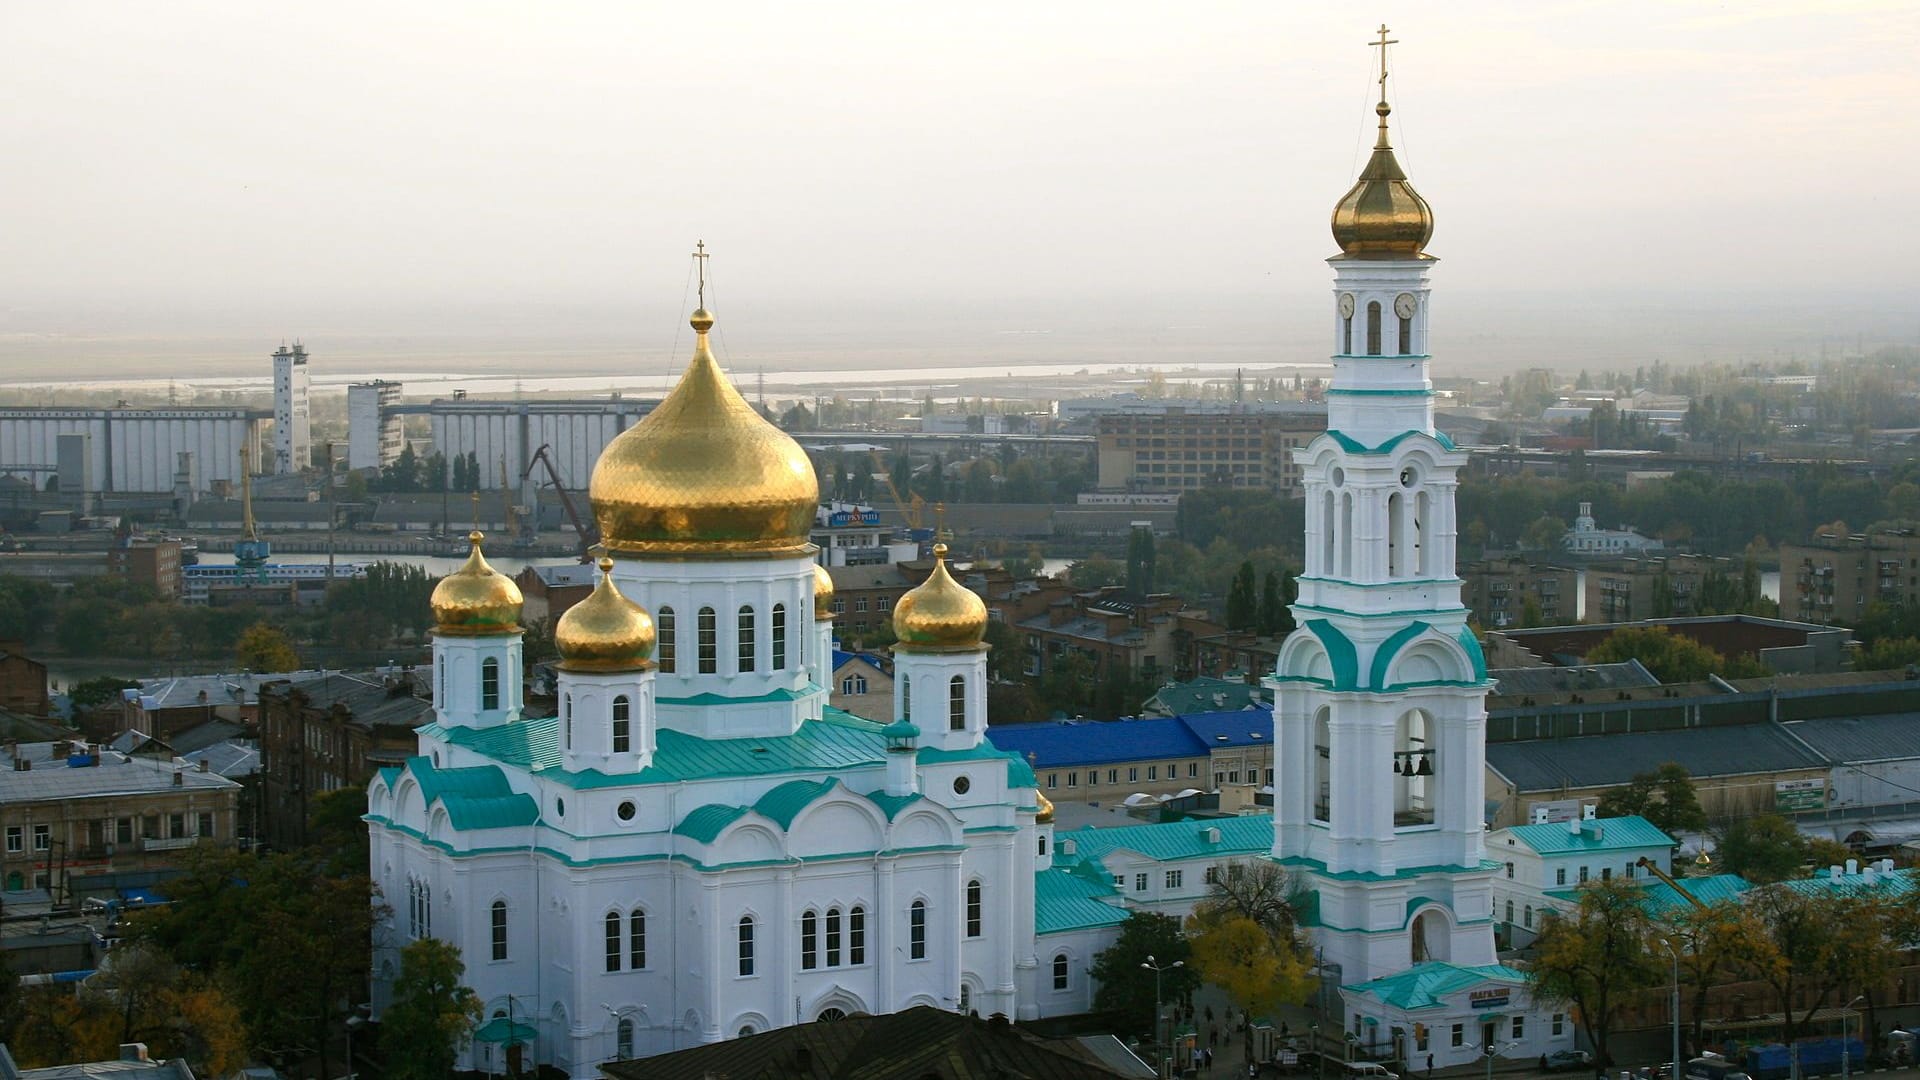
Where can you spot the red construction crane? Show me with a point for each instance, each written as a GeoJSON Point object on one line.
{"type": "Point", "coordinates": [587, 532]}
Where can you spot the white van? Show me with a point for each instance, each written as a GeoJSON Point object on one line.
{"type": "Point", "coordinates": [1366, 1070]}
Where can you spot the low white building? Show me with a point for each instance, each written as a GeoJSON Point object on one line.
{"type": "Point", "coordinates": [1438, 1015]}
{"type": "Point", "coordinates": [1587, 538]}
{"type": "Point", "coordinates": [1544, 863]}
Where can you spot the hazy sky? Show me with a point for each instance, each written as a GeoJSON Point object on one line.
{"type": "Point", "coordinates": [186, 164]}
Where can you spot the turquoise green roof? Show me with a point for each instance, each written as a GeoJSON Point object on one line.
{"type": "Point", "coordinates": [390, 775]}
{"type": "Point", "coordinates": [1601, 834]}
{"type": "Point", "coordinates": [708, 821]}
{"type": "Point", "coordinates": [901, 729]}
{"type": "Point", "coordinates": [1354, 446]}
{"type": "Point", "coordinates": [1340, 653]}
{"type": "Point", "coordinates": [1019, 773]}
{"type": "Point", "coordinates": [1713, 889]}
{"type": "Point", "coordinates": [1898, 883]}
{"type": "Point", "coordinates": [891, 805]}
{"type": "Point", "coordinates": [757, 699]}
{"type": "Point", "coordinates": [1065, 901]}
{"type": "Point", "coordinates": [490, 812]}
{"type": "Point", "coordinates": [785, 802]}
{"type": "Point", "coordinates": [1424, 985]}
{"type": "Point", "coordinates": [500, 1030]}
{"type": "Point", "coordinates": [1390, 648]}
{"type": "Point", "coordinates": [1239, 836]}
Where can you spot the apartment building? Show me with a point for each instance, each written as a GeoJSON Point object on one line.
{"type": "Point", "coordinates": [1497, 591]}
{"type": "Point", "coordinates": [1834, 578]}
{"type": "Point", "coordinates": [331, 731]}
{"type": "Point", "coordinates": [1168, 446]}
{"type": "Point", "coordinates": [1635, 590]}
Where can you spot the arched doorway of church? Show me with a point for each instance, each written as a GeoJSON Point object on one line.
{"type": "Point", "coordinates": [1432, 937]}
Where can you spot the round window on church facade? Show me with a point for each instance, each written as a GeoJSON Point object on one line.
{"type": "Point", "coordinates": [560, 808]}
{"type": "Point", "coordinates": [1338, 476]}
{"type": "Point", "coordinates": [625, 811]}
{"type": "Point", "coordinates": [1408, 477]}
{"type": "Point", "coordinates": [962, 785]}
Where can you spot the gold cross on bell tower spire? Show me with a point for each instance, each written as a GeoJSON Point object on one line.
{"type": "Point", "coordinates": [1382, 46]}
{"type": "Point", "coordinates": [700, 263]}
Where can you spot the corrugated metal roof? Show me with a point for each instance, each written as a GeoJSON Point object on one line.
{"type": "Point", "coordinates": [707, 822]}
{"type": "Point", "coordinates": [1607, 760]}
{"type": "Point", "coordinates": [1423, 986]}
{"type": "Point", "coordinates": [1846, 740]}
{"type": "Point", "coordinates": [1600, 834]}
{"type": "Point", "coordinates": [490, 811]}
{"type": "Point", "coordinates": [1238, 727]}
{"type": "Point", "coordinates": [1063, 901]}
{"type": "Point", "coordinates": [785, 802]}
{"type": "Point", "coordinates": [1712, 889]}
{"type": "Point", "coordinates": [1094, 742]}
{"type": "Point", "coordinates": [1176, 839]}
{"type": "Point", "coordinates": [116, 774]}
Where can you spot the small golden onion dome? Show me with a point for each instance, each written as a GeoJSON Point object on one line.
{"type": "Point", "coordinates": [704, 474]}
{"type": "Point", "coordinates": [476, 600]}
{"type": "Point", "coordinates": [940, 614]}
{"type": "Point", "coordinates": [822, 592]}
{"type": "Point", "coordinates": [1382, 217]}
{"type": "Point", "coordinates": [1045, 816]}
{"type": "Point", "coordinates": [604, 632]}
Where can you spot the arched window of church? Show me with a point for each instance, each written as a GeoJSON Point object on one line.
{"type": "Point", "coordinates": [957, 703]}
{"type": "Point", "coordinates": [779, 631]}
{"type": "Point", "coordinates": [623, 1039]}
{"type": "Point", "coordinates": [746, 945]}
{"type": "Point", "coordinates": [566, 722]}
{"type": "Point", "coordinates": [1422, 559]}
{"type": "Point", "coordinates": [709, 631]}
{"type": "Point", "coordinates": [637, 939]}
{"type": "Point", "coordinates": [973, 908]}
{"type": "Point", "coordinates": [1373, 328]}
{"type": "Point", "coordinates": [906, 697]}
{"type": "Point", "coordinates": [1346, 534]}
{"type": "Point", "coordinates": [966, 999]}
{"type": "Point", "coordinates": [440, 681]}
{"type": "Point", "coordinates": [1327, 536]}
{"type": "Point", "coordinates": [1346, 335]}
{"type": "Point", "coordinates": [1396, 525]}
{"type": "Point", "coordinates": [622, 724]}
{"type": "Point", "coordinates": [667, 644]}
{"type": "Point", "coordinates": [490, 683]}
{"type": "Point", "coordinates": [746, 641]}
{"type": "Point", "coordinates": [857, 936]}
{"type": "Point", "coordinates": [498, 915]}
{"type": "Point", "coordinates": [1322, 769]}
{"type": "Point", "coordinates": [1043, 845]}
{"type": "Point", "coordinates": [614, 944]}
{"type": "Point", "coordinates": [917, 931]}
{"type": "Point", "coordinates": [809, 941]}
{"type": "Point", "coordinates": [1060, 971]}
{"type": "Point", "coordinates": [1406, 335]}
{"type": "Point", "coordinates": [833, 937]}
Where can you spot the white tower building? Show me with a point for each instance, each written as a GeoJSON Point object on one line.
{"type": "Point", "coordinates": [374, 437]}
{"type": "Point", "coordinates": [1380, 694]}
{"type": "Point", "coordinates": [292, 427]}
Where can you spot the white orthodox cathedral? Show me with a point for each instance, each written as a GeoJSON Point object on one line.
{"type": "Point", "coordinates": [697, 846]}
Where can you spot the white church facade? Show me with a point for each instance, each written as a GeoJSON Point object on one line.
{"type": "Point", "coordinates": [698, 846]}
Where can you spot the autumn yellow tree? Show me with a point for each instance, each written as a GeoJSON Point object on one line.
{"type": "Point", "coordinates": [1246, 938]}
{"type": "Point", "coordinates": [1717, 944]}
{"type": "Point", "coordinates": [265, 647]}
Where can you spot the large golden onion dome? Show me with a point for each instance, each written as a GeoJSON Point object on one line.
{"type": "Point", "coordinates": [604, 632]}
{"type": "Point", "coordinates": [704, 474]}
{"type": "Point", "coordinates": [1045, 816]}
{"type": "Point", "coordinates": [1382, 217]}
{"type": "Point", "coordinates": [476, 600]}
{"type": "Point", "coordinates": [822, 592]}
{"type": "Point", "coordinates": [940, 613]}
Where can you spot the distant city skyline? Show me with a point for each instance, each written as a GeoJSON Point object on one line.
{"type": "Point", "coordinates": [433, 181]}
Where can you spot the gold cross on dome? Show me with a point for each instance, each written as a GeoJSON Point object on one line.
{"type": "Point", "coordinates": [700, 260]}
{"type": "Point", "coordinates": [1382, 46]}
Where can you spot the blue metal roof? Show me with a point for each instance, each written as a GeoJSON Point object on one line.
{"type": "Point", "coordinates": [1094, 742]}
{"type": "Point", "coordinates": [1238, 727]}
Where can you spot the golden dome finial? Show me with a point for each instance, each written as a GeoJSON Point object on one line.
{"type": "Point", "coordinates": [822, 592]}
{"type": "Point", "coordinates": [940, 615]}
{"type": "Point", "coordinates": [606, 631]}
{"type": "Point", "coordinates": [476, 599]}
{"type": "Point", "coordinates": [702, 319]}
{"type": "Point", "coordinates": [704, 474]}
{"type": "Point", "coordinates": [1381, 216]}
{"type": "Point", "coordinates": [1045, 807]}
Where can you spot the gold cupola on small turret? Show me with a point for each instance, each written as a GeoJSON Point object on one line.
{"type": "Point", "coordinates": [476, 600]}
{"type": "Point", "coordinates": [1382, 217]}
{"type": "Point", "coordinates": [704, 474]}
{"type": "Point", "coordinates": [606, 631]}
{"type": "Point", "coordinates": [940, 614]}
{"type": "Point", "coordinates": [822, 592]}
{"type": "Point", "coordinates": [1044, 806]}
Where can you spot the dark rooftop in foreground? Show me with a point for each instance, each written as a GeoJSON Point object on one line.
{"type": "Point", "coordinates": [1607, 760]}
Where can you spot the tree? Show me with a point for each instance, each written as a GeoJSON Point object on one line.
{"type": "Point", "coordinates": [1887, 654]}
{"type": "Point", "coordinates": [1096, 572]}
{"type": "Point", "coordinates": [432, 1016]}
{"type": "Point", "coordinates": [1140, 560]}
{"type": "Point", "coordinates": [1717, 944]}
{"type": "Point", "coordinates": [1128, 991]}
{"type": "Point", "coordinates": [1242, 609]}
{"type": "Point", "coordinates": [1664, 796]}
{"type": "Point", "coordinates": [1762, 849]}
{"type": "Point", "coordinates": [1275, 594]}
{"type": "Point", "coordinates": [1672, 658]}
{"type": "Point", "coordinates": [1543, 533]}
{"type": "Point", "coordinates": [1820, 943]}
{"type": "Point", "coordinates": [91, 693]}
{"type": "Point", "coordinates": [1595, 957]}
{"type": "Point", "coordinates": [1530, 614]}
{"type": "Point", "coordinates": [1246, 937]}
{"type": "Point", "coordinates": [265, 647]}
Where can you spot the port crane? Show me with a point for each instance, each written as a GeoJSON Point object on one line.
{"type": "Point", "coordinates": [586, 531]}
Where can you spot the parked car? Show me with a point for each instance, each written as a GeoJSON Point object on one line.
{"type": "Point", "coordinates": [1565, 1059]}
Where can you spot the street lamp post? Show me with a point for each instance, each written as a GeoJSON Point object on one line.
{"type": "Point", "coordinates": [1166, 1049]}
{"type": "Point", "coordinates": [1846, 1050]}
{"type": "Point", "coordinates": [1493, 1051]}
{"type": "Point", "coordinates": [1319, 1059]}
{"type": "Point", "coordinates": [1674, 951]}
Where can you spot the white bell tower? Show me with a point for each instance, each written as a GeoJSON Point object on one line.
{"type": "Point", "coordinates": [1380, 694]}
